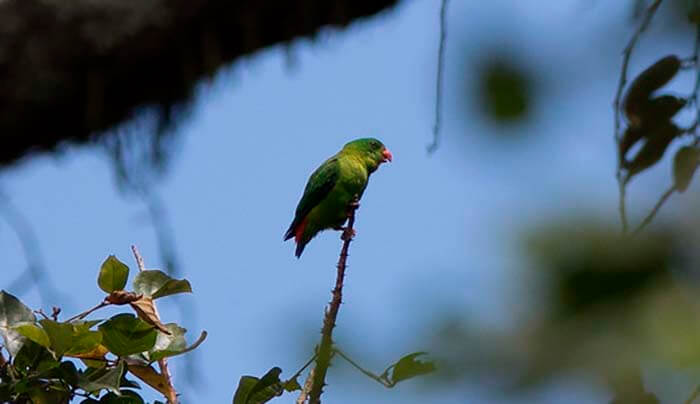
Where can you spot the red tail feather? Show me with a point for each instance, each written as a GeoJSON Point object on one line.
{"type": "Point", "coordinates": [299, 231]}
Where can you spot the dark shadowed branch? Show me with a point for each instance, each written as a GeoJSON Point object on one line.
{"type": "Point", "coordinates": [438, 80]}
{"type": "Point", "coordinates": [325, 349]}
{"type": "Point", "coordinates": [626, 55]}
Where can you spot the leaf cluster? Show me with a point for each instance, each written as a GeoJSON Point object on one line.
{"type": "Point", "coordinates": [45, 354]}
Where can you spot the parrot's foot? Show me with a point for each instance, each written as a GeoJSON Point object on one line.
{"type": "Point", "coordinates": [347, 233]}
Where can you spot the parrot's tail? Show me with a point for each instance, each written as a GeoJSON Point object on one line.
{"type": "Point", "coordinates": [296, 230]}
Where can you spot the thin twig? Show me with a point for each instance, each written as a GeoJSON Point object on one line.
{"type": "Point", "coordinates": [653, 212]}
{"type": "Point", "coordinates": [306, 365]}
{"type": "Point", "coordinates": [139, 258]}
{"type": "Point", "coordinates": [162, 363]}
{"type": "Point", "coordinates": [367, 373]}
{"type": "Point", "coordinates": [626, 55]}
{"type": "Point", "coordinates": [693, 396]}
{"type": "Point", "coordinates": [325, 350]}
{"type": "Point", "coordinates": [307, 387]}
{"type": "Point", "coordinates": [41, 313]}
{"type": "Point", "coordinates": [696, 88]}
{"type": "Point", "coordinates": [86, 313]}
{"type": "Point", "coordinates": [438, 81]}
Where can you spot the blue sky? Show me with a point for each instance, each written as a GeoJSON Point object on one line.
{"type": "Point", "coordinates": [434, 232]}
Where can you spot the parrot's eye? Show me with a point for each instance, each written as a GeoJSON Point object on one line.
{"type": "Point", "coordinates": [373, 144]}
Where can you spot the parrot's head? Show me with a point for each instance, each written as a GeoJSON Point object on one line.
{"type": "Point", "coordinates": [371, 150]}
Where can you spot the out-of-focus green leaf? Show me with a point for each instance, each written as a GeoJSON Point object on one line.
{"type": "Point", "coordinates": [155, 284]}
{"type": "Point", "coordinates": [694, 11]}
{"type": "Point", "coordinates": [173, 344]}
{"type": "Point", "coordinates": [505, 91]}
{"type": "Point", "coordinates": [113, 275]}
{"type": "Point", "coordinates": [93, 380]}
{"type": "Point", "coordinates": [125, 334]}
{"type": "Point", "coordinates": [12, 312]}
{"type": "Point", "coordinates": [684, 165]}
{"type": "Point", "coordinates": [33, 332]}
{"type": "Point", "coordinates": [408, 367]}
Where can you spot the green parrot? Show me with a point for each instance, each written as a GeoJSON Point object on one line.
{"type": "Point", "coordinates": [332, 187]}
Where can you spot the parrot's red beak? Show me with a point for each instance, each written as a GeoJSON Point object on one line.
{"type": "Point", "coordinates": [387, 155]}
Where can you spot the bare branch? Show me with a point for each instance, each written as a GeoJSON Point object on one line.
{"type": "Point", "coordinates": [438, 81]}
{"type": "Point", "coordinates": [307, 387]}
{"type": "Point", "coordinates": [325, 350]}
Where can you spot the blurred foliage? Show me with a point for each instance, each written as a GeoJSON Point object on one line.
{"type": "Point", "coordinates": [505, 90]}
{"type": "Point", "coordinates": [41, 367]}
{"type": "Point", "coordinates": [608, 303]}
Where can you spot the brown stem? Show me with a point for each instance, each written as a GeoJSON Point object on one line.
{"type": "Point", "coordinates": [325, 350]}
{"type": "Point", "coordinates": [171, 395]}
{"type": "Point", "coordinates": [307, 387]}
{"type": "Point", "coordinates": [87, 312]}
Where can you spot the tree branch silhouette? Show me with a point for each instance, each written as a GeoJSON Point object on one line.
{"type": "Point", "coordinates": [438, 80]}
{"type": "Point", "coordinates": [627, 54]}
{"type": "Point", "coordinates": [36, 270]}
{"type": "Point", "coordinates": [325, 350]}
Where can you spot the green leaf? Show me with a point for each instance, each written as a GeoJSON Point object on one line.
{"type": "Point", "coordinates": [291, 385]}
{"type": "Point", "coordinates": [125, 334]}
{"type": "Point", "coordinates": [408, 367]}
{"type": "Point", "coordinates": [12, 312]}
{"type": "Point", "coordinates": [33, 332]}
{"type": "Point", "coordinates": [33, 357]}
{"type": "Point", "coordinates": [94, 380]}
{"type": "Point", "coordinates": [66, 372]}
{"type": "Point", "coordinates": [252, 390]}
{"type": "Point", "coordinates": [113, 275]}
{"type": "Point", "coordinates": [155, 284]}
{"type": "Point", "coordinates": [84, 340]}
{"type": "Point", "coordinates": [245, 386]}
{"type": "Point", "coordinates": [685, 163]}
{"type": "Point", "coordinates": [127, 397]}
{"type": "Point", "coordinates": [60, 335]}
{"type": "Point", "coordinates": [173, 344]}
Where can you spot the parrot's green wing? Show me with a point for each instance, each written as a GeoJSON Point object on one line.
{"type": "Point", "coordinates": [317, 188]}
